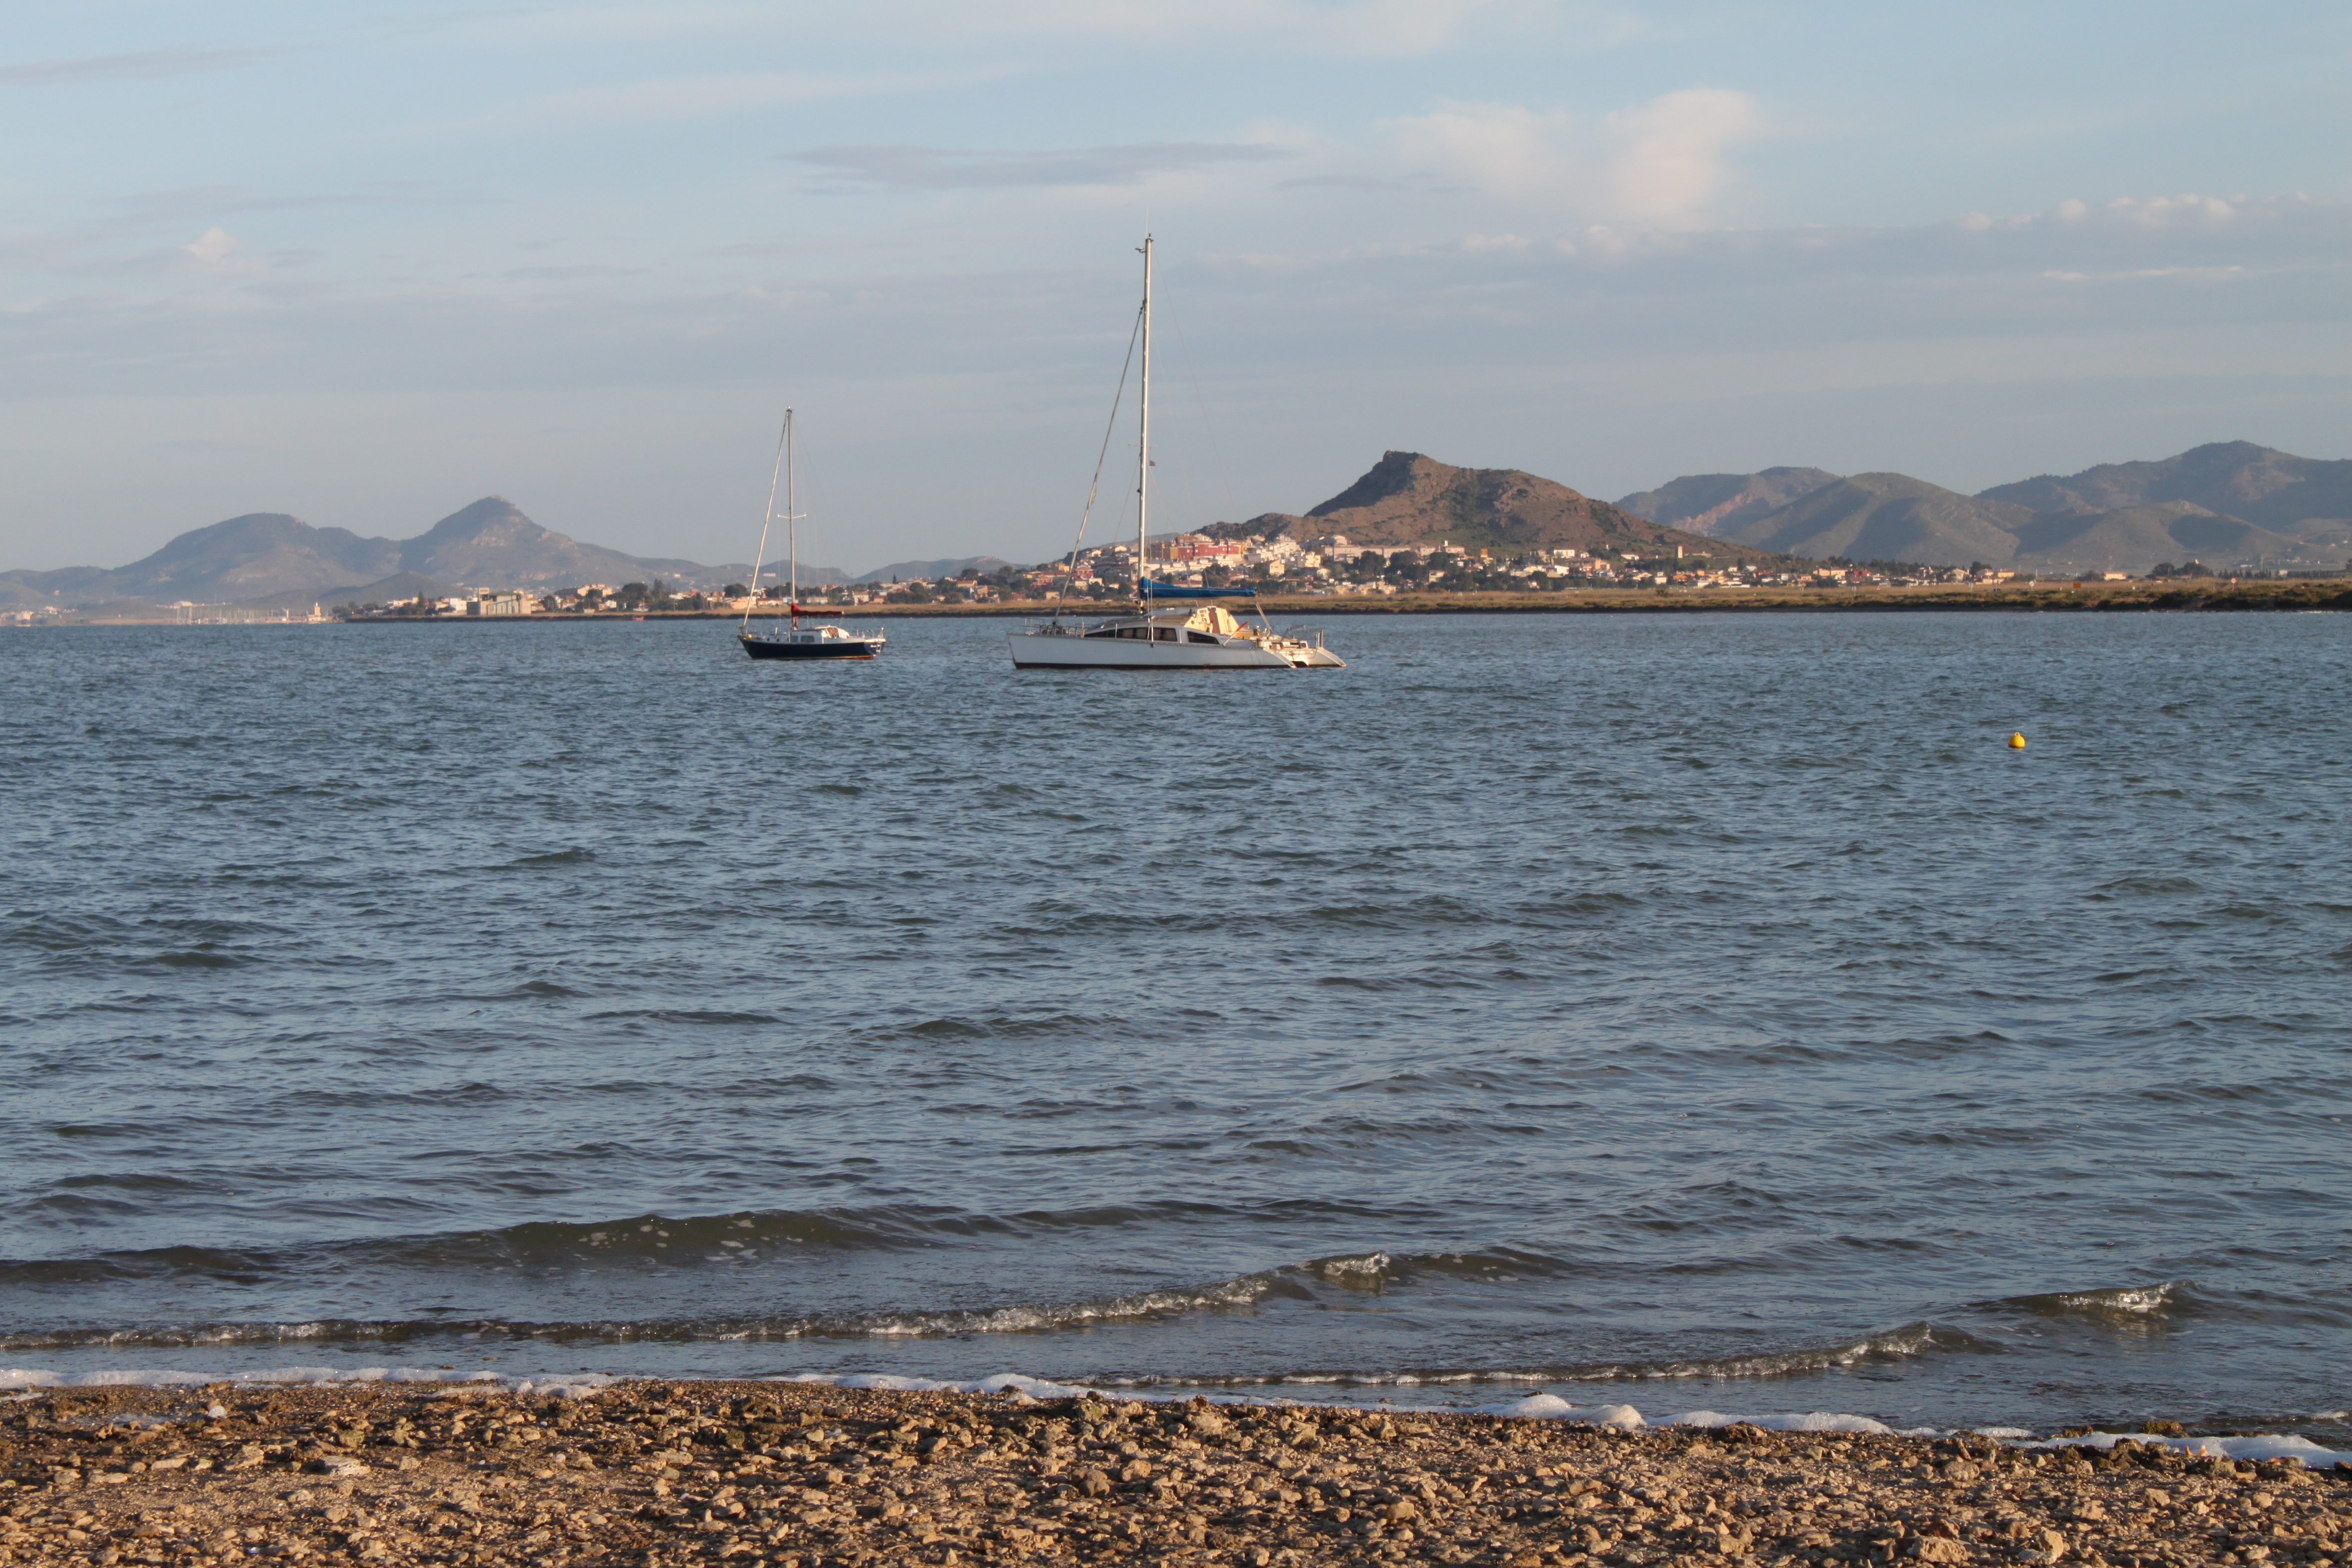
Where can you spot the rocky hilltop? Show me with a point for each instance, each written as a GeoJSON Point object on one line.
{"type": "Point", "coordinates": [1407, 499]}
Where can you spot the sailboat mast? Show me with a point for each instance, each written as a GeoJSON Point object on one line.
{"type": "Point", "coordinates": [792, 520]}
{"type": "Point", "coordinates": [1143, 445]}
{"type": "Point", "coordinates": [768, 517]}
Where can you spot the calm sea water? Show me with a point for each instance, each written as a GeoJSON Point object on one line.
{"type": "Point", "coordinates": [1698, 1012]}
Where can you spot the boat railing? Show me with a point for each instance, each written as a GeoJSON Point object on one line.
{"type": "Point", "coordinates": [778, 631]}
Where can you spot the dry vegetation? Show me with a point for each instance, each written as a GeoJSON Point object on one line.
{"type": "Point", "coordinates": [804, 1474]}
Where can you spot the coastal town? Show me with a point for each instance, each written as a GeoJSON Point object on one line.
{"type": "Point", "coordinates": [1331, 566]}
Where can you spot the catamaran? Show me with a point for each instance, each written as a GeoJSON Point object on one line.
{"type": "Point", "coordinates": [1209, 637]}
{"type": "Point", "coordinates": [797, 641]}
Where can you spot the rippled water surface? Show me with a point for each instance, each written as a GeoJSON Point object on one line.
{"type": "Point", "coordinates": [1694, 1012]}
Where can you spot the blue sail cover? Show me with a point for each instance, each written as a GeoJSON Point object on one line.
{"type": "Point", "coordinates": [1171, 591]}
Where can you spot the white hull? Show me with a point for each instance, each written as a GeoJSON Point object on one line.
{"type": "Point", "coordinates": [1053, 650]}
{"type": "Point", "coordinates": [1165, 639]}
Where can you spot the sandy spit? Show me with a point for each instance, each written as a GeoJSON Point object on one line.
{"type": "Point", "coordinates": [799, 1475]}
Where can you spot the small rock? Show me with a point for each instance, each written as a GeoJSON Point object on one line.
{"type": "Point", "coordinates": [1937, 1549]}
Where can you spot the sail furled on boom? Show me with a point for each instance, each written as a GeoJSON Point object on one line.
{"type": "Point", "coordinates": [1171, 591]}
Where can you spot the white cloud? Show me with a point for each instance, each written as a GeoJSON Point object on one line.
{"type": "Point", "coordinates": [1671, 156]}
{"type": "Point", "coordinates": [1389, 28]}
{"type": "Point", "coordinates": [694, 97]}
{"type": "Point", "coordinates": [216, 251]}
{"type": "Point", "coordinates": [2174, 212]}
{"type": "Point", "coordinates": [940, 169]}
{"type": "Point", "coordinates": [1374, 27]}
{"type": "Point", "coordinates": [145, 65]}
{"type": "Point", "coordinates": [1499, 149]}
{"type": "Point", "coordinates": [1661, 162]}
{"type": "Point", "coordinates": [2159, 211]}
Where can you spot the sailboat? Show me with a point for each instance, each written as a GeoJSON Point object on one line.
{"type": "Point", "coordinates": [797, 641]}
{"type": "Point", "coordinates": [1206, 637]}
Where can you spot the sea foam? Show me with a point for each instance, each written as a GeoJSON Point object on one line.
{"type": "Point", "coordinates": [26, 1381]}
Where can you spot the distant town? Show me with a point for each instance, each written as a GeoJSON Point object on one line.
{"type": "Point", "coordinates": [1330, 566]}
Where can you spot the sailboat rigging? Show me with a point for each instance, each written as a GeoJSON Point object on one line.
{"type": "Point", "coordinates": [796, 641]}
{"type": "Point", "coordinates": [1208, 637]}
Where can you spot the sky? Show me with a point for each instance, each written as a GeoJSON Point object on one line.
{"type": "Point", "coordinates": [366, 263]}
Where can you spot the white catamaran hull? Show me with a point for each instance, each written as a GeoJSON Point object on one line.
{"type": "Point", "coordinates": [1051, 650]}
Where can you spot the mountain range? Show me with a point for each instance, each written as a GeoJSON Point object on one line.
{"type": "Point", "coordinates": [269, 560]}
{"type": "Point", "coordinates": [1407, 499]}
{"type": "Point", "coordinates": [2224, 504]}
{"type": "Point", "coordinates": [909, 571]}
{"type": "Point", "coordinates": [1716, 504]}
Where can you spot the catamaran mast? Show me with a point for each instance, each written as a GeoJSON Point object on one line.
{"type": "Point", "coordinates": [1143, 447]}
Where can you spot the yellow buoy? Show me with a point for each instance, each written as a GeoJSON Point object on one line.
{"type": "Point", "coordinates": [2017, 742]}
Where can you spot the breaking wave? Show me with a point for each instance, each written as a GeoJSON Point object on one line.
{"type": "Point", "coordinates": [2131, 1306]}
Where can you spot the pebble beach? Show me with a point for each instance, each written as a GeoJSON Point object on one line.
{"type": "Point", "coordinates": [806, 1476]}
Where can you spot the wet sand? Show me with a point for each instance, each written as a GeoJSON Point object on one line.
{"type": "Point", "coordinates": [796, 1476]}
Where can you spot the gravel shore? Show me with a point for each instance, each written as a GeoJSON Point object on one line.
{"type": "Point", "coordinates": [797, 1476]}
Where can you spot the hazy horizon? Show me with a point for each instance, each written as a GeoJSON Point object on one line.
{"type": "Point", "coordinates": [365, 267]}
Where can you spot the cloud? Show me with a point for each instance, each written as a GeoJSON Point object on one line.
{"type": "Point", "coordinates": [940, 169]}
{"type": "Point", "coordinates": [1670, 155]}
{"type": "Point", "coordinates": [216, 251]}
{"type": "Point", "coordinates": [1395, 28]}
{"type": "Point", "coordinates": [2157, 212]}
{"type": "Point", "coordinates": [1339, 182]}
{"type": "Point", "coordinates": [2181, 214]}
{"type": "Point", "coordinates": [1375, 29]}
{"type": "Point", "coordinates": [147, 65]}
{"type": "Point", "coordinates": [1660, 163]}
{"type": "Point", "coordinates": [1501, 150]}
{"type": "Point", "coordinates": [694, 97]}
